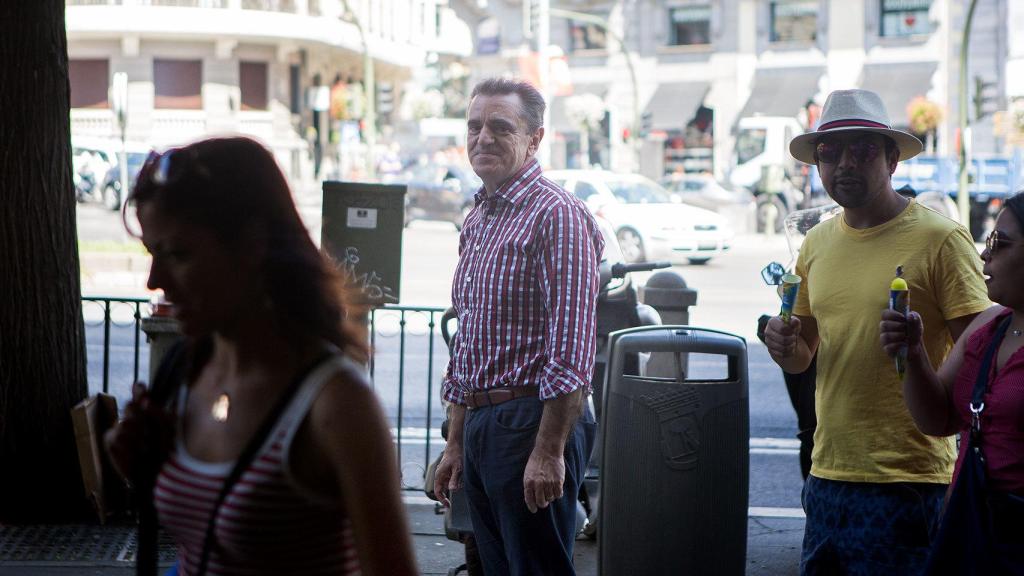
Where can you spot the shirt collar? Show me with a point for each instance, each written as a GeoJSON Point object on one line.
{"type": "Point", "coordinates": [515, 188]}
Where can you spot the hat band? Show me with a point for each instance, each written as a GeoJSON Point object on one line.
{"type": "Point", "coordinates": [848, 123]}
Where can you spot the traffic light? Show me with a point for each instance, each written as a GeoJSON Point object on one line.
{"type": "Point", "coordinates": [531, 17]}
{"type": "Point", "coordinates": [385, 99]}
{"type": "Point", "coordinates": [984, 94]}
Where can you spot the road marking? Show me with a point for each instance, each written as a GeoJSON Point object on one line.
{"type": "Point", "coordinates": [768, 512]}
{"type": "Point", "coordinates": [752, 512]}
{"type": "Point", "coordinates": [417, 436]}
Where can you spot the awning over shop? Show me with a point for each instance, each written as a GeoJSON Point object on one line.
{"type": "Point", "coordinates": [674, 104]}
{"type": "Point", "coordinates": [782, 91]}
{"type": "Point", "coordinates": [898, 84]}
{"type": "Point", "coordinates": [559, 119]}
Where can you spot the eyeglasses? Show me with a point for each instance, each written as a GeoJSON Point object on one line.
{"type": "Point", "coordinates": [862, 149]}
{"type": "Point", "coordinates": [996, 239]}
{"type": "Point", "coordinates": [171, 166]}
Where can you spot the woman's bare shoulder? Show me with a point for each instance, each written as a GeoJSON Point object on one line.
{"type": "Point", "coordinates": [983, 318]}
{"type": "Point", "coordinates": [346, 401]}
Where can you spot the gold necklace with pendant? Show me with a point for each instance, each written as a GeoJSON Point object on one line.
{"type": "Point", "coordinates": [221, 407]}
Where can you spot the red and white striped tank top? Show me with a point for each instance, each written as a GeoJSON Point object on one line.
{"type": "Point", "coordinates": [269, 523]}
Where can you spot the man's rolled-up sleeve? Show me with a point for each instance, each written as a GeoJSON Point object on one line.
{"type": "Point", "coordinates": [451, 390]}
{"type": "Point", "coordinates": [570, 280]}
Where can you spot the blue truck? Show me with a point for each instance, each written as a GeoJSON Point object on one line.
{"type": "Point", "coordinates": [990, 181]}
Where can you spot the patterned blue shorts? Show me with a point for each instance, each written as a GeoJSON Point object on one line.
{"type": "Point", "coordinates": [859, 528]}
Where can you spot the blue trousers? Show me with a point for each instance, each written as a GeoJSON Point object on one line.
{"type": "Point", "coordinates": [868, 529]}
{"type": "Point", "coordinates": [511, 540]}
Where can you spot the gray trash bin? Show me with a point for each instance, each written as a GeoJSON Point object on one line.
{"type": "Point", "coordinates": [675, 459]}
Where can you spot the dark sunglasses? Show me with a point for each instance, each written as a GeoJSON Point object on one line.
{"type": "Point", "coordinates": [862, 149]}
{"type": "Point", "coordinates": [996, 239]}
{"type": "Point", "coordinates": [171, 166]}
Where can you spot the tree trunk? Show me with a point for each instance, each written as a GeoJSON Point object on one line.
{"type": "Point", "coordinates": [42, 345]}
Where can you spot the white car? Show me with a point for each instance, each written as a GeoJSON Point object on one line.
{"type": "Point", "coordinates": [647, 222]}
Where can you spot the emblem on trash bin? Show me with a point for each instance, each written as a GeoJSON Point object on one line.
{"type": "Point", "coordinates": [676, 412]}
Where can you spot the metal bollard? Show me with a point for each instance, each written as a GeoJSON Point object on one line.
{"type": "Point", "coordinates": [771, 214]}
{"type": "Point", "coordinates": [161, 333]}
{"type": "Point", "coordinates": [666, 291]}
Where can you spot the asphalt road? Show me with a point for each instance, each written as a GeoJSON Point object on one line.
{"type": "Point", "coordinates": [731, 296]}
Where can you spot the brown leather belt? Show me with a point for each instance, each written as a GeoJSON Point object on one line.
{"type": "Point", "coordinates": [496, 396]}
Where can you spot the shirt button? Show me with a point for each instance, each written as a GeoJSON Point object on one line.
{"type": "Point", "coordinates": [477, 248]}
{"type": "Point", "coordinates": [468, 279]}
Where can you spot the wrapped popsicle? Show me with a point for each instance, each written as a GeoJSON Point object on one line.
{"type": "Point", "coordinates": [899, 300]}
{"type": "Point", "coordinates": [790, 287]}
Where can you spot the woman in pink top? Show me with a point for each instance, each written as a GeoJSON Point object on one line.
{"type": "Point", "coordinates": [939, 402]}
{"type": "Point", "coordinates": [267, 338]}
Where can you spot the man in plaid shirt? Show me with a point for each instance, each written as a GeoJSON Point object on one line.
{"type": "Point", "coordinates": [525, 291]}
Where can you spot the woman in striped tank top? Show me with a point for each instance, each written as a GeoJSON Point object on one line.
{"type": "Point", "coordinates": [266, 341]}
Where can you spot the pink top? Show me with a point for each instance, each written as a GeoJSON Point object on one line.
{"type": "Point", "coordinates": [525, 291]}
{"type": "Point", "coordinates": [269, 524]}
{"type": "Point", "coordinates": [1002, 420]}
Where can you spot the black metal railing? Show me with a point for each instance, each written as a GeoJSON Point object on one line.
{"type": "Point", "coordinates": [405, 367]}
{"type": "Point", "coordinates": [400, 337]}
{"type": "Point", "coordinates": [108, 313]}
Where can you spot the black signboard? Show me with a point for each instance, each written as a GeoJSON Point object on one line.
{"type": "Point", "coordinates": [362, 231]}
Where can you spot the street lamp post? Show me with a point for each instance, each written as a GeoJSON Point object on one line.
{"type": "Point", "coordinates": [120, 102]}
{"type": "Point", "coordinates": [369, 87]}
{"type": "Point", "coordinates": [963, 200]}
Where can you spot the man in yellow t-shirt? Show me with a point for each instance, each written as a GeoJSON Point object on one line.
{"type": "Point", "coordinates": [874, 496]}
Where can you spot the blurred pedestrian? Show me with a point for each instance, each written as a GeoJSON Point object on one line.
{"type": "Point", "coordinates": [525, 292]}
{"type": "Point", "coordinates": [941, 402]}
{"type": "Point", "coordinates": [278, 456]}
{"type": "Point", "coordinates": [874, 494]}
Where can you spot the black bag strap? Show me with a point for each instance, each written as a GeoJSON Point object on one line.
{"type": "Point", "coordinates": [255, 443]}
{"type": "Point", "coordinates": [982, 380]}
{"type": "Point", "coordinates": [169, 376]}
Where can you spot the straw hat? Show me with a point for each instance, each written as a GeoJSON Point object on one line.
{"type": "Point", "coordinates": [853, 110]}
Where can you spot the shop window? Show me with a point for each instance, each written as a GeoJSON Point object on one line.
{"type": "Point", "coordinates": [252, 82]}
{"type": "Point", "coordinates": [89, 80]}
{"type": "Point", "coordinates": [690, 25]}
{"type": "Point", "coordinates": [794, 20]}
{"type": "Point", "coordinates": [178, 84]}
{"type": "Point", "coordinates": [690, 150]}
{"type": "Point", "coordinates": [905, 17]}
{"type": "Point", "coordinates": [587, 36]}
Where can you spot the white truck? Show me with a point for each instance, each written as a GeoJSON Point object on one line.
{"type": "Point", "coordinates": [762, 165]}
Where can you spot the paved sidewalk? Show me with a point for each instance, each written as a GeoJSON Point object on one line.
{"type": "Point", "coordinates": [773, 548]}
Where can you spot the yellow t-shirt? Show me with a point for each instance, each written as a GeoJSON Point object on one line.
{"type": "Point", "coordinates": [865, 433]}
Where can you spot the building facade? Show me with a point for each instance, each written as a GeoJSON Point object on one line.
{"type": "Point", "coordinates": [288, 72]}
{"type": "Point", "coordinates": [688, 72]}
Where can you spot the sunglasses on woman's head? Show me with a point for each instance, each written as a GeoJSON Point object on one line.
{"type": "Point", "coordinates": [997, 239]}
{"type": "Point", "coordinates": [169, 167]}
{"type": "Point", "coordinates": [864, 149]}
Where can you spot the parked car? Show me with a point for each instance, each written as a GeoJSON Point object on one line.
{"type": "Point", "coordinates": [97, 171]}
{"type": "Point", "coordinates": [703, 191]}
{"type": "Point", "coordinates": [111, 187]}
{"type": "Point", "coordinates": [440, 192]}
{"type": "Point", "coordinates": [90, 160]}
{"type": "Point", "coordinates": [649, 225]}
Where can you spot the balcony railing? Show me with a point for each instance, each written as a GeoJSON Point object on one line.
{"type": "Point", "coordinates": [184, 3]}
{"type": "Point", "coordinates": [270, 5]}
{"type": "Point", "coordinates": [90, 122]}
{"type": "Point", "coordinates": [290, 6]}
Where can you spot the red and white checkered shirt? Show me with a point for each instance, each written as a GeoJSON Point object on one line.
{"type": "Point", "coordinates": [525, 291]}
